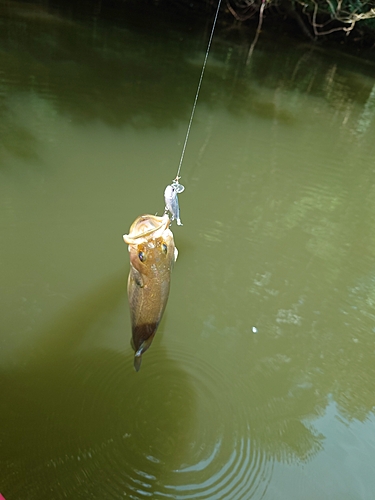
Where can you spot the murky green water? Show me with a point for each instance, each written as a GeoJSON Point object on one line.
{"type": "Point", "coordinates": [260, 381]}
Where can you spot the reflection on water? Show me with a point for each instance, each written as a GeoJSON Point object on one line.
{"type": "Point", "coordinates": [259, 383]}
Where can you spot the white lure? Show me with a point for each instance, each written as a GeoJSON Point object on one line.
{"type": "Point", "coordinates": [171, 201]}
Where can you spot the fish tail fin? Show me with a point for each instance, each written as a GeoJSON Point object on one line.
{"type": "Point", "coordinates": [137, 361]}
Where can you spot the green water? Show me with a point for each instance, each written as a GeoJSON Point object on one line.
{"type": "Point", "coordinates": [260, 381]}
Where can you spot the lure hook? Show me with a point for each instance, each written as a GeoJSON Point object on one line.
{"type": "Point", "coordinates": [177, 186]}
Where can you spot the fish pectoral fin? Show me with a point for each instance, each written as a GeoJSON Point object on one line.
{"type": "Point", "coordinates": [137, 276]}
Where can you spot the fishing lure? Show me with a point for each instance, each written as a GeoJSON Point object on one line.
{"type": "Point", "coordinates": [171, 200]}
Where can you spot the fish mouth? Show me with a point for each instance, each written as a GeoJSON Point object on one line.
{"type": "Point", "coordinates": [144, 226]}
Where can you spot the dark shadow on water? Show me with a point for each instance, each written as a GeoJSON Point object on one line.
{"type": "Point", "coordinates": [79, 422]}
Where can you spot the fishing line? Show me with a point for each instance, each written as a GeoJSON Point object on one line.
{"type": "Point", "coordinates": [198, 90]}
{"type": "Point", "coordinates": [171, 191]}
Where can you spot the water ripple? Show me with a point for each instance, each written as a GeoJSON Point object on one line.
{"type": "Point", "coordinates": [176, 429]}
{"type": "Point", "coordinates": [224, 460]}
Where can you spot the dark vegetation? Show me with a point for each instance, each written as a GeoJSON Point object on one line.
{"type": "Point", "coordinates": [343, 21]}
{"type": "Point", "coordinates": [339, 20]}
{"type": "Point", "coordinates": [314, 18]}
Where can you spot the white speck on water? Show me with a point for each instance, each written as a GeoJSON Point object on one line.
{"type": "Point", "coordinates": [254, 329]}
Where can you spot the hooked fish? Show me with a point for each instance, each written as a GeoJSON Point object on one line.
{"type": "Point", "coordinates": [152, 255]}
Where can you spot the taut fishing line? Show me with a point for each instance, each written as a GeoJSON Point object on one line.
{"type": "Point", "coordinates": [173, 189]}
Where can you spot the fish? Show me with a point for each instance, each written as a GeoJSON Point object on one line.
{"type": "Point", "coordinates": [171, 201]}
{"type": "Point", "coordinates": [152, 256]}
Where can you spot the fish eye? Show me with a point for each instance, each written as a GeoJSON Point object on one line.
{"type": "Point", "coordinates": [142, 256]}
{"type": "Point", "coordinates": [164, 247]}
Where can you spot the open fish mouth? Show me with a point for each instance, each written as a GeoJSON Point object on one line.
{"type": "Point", "coordinates": [144, 226]}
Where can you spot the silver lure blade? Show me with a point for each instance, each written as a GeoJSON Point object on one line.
{"type": "Point", "coordinates": [171, 201]}
{"type": "Point", "coordinates": [177, 186]}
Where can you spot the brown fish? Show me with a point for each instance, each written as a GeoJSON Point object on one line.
{"type": "Point", "coordinates": [152, 255]}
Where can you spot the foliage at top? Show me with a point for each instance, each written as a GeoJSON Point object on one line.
{"type": "Point", "coordinates": [316, 18]}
